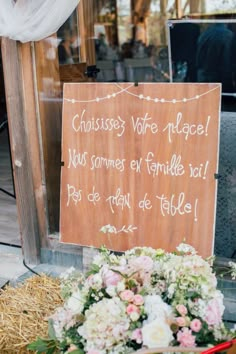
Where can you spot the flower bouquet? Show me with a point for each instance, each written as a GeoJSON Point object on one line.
{"type": "Point", "coordinates": [143, 298]}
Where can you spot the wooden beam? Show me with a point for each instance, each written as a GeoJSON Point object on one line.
{"type": "Point", "coordinates": [178, 6]}
{"type": "Point", "coordinates": [82, 34]}
{"type": "Point", "coordinates": [194, 6]}
{"type": "Point", "coordinates": [17, 89]}
{"type": "Point", "coordinates": [88, 11]}
{"type": "Point", "coordinates": [34, 139]}
{"type": "Point", "coordinates": [50, 106]}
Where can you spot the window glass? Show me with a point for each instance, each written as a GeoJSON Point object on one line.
{"type": "Point", "coordinates": [68, 41]}
{"type": "Point", "coordinates": [127, 41]}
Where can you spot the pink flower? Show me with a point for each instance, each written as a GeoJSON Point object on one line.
{"type": "Point", "coordinates": [132, 308]}
{"type": "Point", "coordinates": [143, 263]}
{"type": "Point", "coordinates": [72, 348]}
{"type": "Point", "coordinates": [185, 338]}
{"type": "Point", "coordinates": [138, 300]}
{"type": "Point", "coordinates": [181, 321]}
{"type": "Point", "coordinates": [214, 311]}
{"type": "Point", "coordinates": [182, 310]}
{"type": "Point", "coordinates": [127, 295]}
{"type": "Point", "coordinates": [93, 351]}
{"type": "Point", "coordinates": [195, 325]}
{"type": "Point", "coordinates": [111, 278]}
{"type": "Point", "coordinates": [137, 335]}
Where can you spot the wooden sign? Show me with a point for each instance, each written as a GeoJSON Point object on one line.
{"type": "Point", "coordinates": [139, 165]}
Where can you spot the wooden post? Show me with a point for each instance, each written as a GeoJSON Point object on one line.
{"type": "Point", "coordinates": [50, 106]}
{"type": "Point", "coordinates": [88, 11]}
{"type": "Point", "coordinates": [179, 12]}
{"type": "Point", "coordinates": [163, 6]}
{"type": "Point", "coordinates": [194, 6]}
{"type": "Point", "coordinates": [24, 146]}
{"type": "Point", "coordinates": [82, 34]}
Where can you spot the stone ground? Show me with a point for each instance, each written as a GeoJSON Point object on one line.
{"type": "Point", "coordinates": [12, 269]}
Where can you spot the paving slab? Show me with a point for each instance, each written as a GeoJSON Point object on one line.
{"type": "Point", "coordinates": [11, 263]}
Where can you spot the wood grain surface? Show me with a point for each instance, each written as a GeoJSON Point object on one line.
{"type": "Point", "coordinates": [143, 160]}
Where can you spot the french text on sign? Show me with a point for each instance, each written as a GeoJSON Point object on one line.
{"type": "Point", "coordinates": [199, 171]}
{"type": "Point", "coordinates": [141, 125]}
{"type": "Point", "coordinates": [119, 200]}
{"type": "Point", "coordinates": [94, 196]}
{"type": "Point", "coordinates": [135, 165]}
{"type": "Point", "coordinates": [76, 158]}
{"type": "Point", "coordinates": [186, 129]}
{"type": "Point", "coordinates": [175, 205]}
{"type": "Point", "coordinates": [73, 195]}
{"type": "Point", "coordinates": [171, 168]}
{"type": "Point", "coordinates": [85, 124]}
{"type": "Point", "coordinates": [145, 204]}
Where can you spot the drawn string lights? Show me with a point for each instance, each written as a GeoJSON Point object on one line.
{"type": "Point", "coordinates": [140, 96]}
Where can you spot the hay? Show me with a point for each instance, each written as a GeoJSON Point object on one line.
{"type": "Point", "coordinates": [24, 311]}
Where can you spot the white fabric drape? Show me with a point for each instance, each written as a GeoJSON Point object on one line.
{"type": "Point", "coordinates": [33, 20]}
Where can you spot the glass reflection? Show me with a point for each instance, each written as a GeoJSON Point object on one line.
{"type": "Point", "coordinates": [204, 51]}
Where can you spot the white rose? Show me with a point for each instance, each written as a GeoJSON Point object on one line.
{"type": "Point", "coordinates": [157, 334]}
{"type": "Point", "coordinates": [76, 302]}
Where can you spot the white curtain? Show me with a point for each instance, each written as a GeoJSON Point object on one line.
{"type": "Point", "coordinates": [33, 20]}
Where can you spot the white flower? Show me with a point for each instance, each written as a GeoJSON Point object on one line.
{"type": "Point", "coordinates": [121, 286]}
{"type": "Point", "coordinates": [106, 324]}
{"type": "Point", "coordinates": [185, 248]}
{"type": "Point", "coordinates": [156, 308]}
{"type": "Point", "coordinates": [65, 275]}
{"type": "Point", "coordinates": [99, 260]}
{"type": "Point", "coordinates": [62, 319]}
{"type": "Point", "coordinates": [111, 290]}
{"type": "Point", "coordinates": [76, 302]}
{"type": "Point", "coordinates": [94, 281]}
{"type": "Point", "coordinates": [134, 316]}
{"type": "Point", "coordinates": [233, 269]}
{"type": "Point", "coordinates": [157, 334]}
{"type": "Point", "coordinates": [171, 290]}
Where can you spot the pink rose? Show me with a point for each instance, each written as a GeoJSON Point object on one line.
{"type": "Point", "coordinates": [181, 321]}
{"type": "Point", "coordinates": [111, 278]}
{"type": "Point", "coordinates": [138, 300]}
{"type": "Point", "coordinates": [196, 325]}
{"type": "Point", "coordinates": [137, 336]}
{"type": "Point", "coordinates": [132, 308]}
{"type": "Point", "coordinates": [127, 295]}
{"type": "Point", "coordinates": [182, 310]}
{"type": "Point", "coordinates": [214, 311]}
{"type": "Point", "coordinates": [185, 338]}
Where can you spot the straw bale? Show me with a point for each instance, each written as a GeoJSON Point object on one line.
{"type": "Point", "coordinates": [24, 310]}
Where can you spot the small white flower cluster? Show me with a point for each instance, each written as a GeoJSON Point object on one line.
{"type": "Point", "coordinates": [185, 248]}
{"type": "Point", "coordinates": [232, 266]}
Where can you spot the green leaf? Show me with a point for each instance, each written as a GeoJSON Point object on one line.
{"type": "Point", "coordinates": [77, 351]}
{"type": "Point", "coordinates": [94, 269]}
{"type": "Point", "coordinates": [51, 331]}
{"type": "Point", "coordinates": [43, 346]}
{"type": "Point", "coordinates": [51, 351]}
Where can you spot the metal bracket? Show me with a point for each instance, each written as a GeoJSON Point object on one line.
{"type": "Point", "coordinates": [92, 71]}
